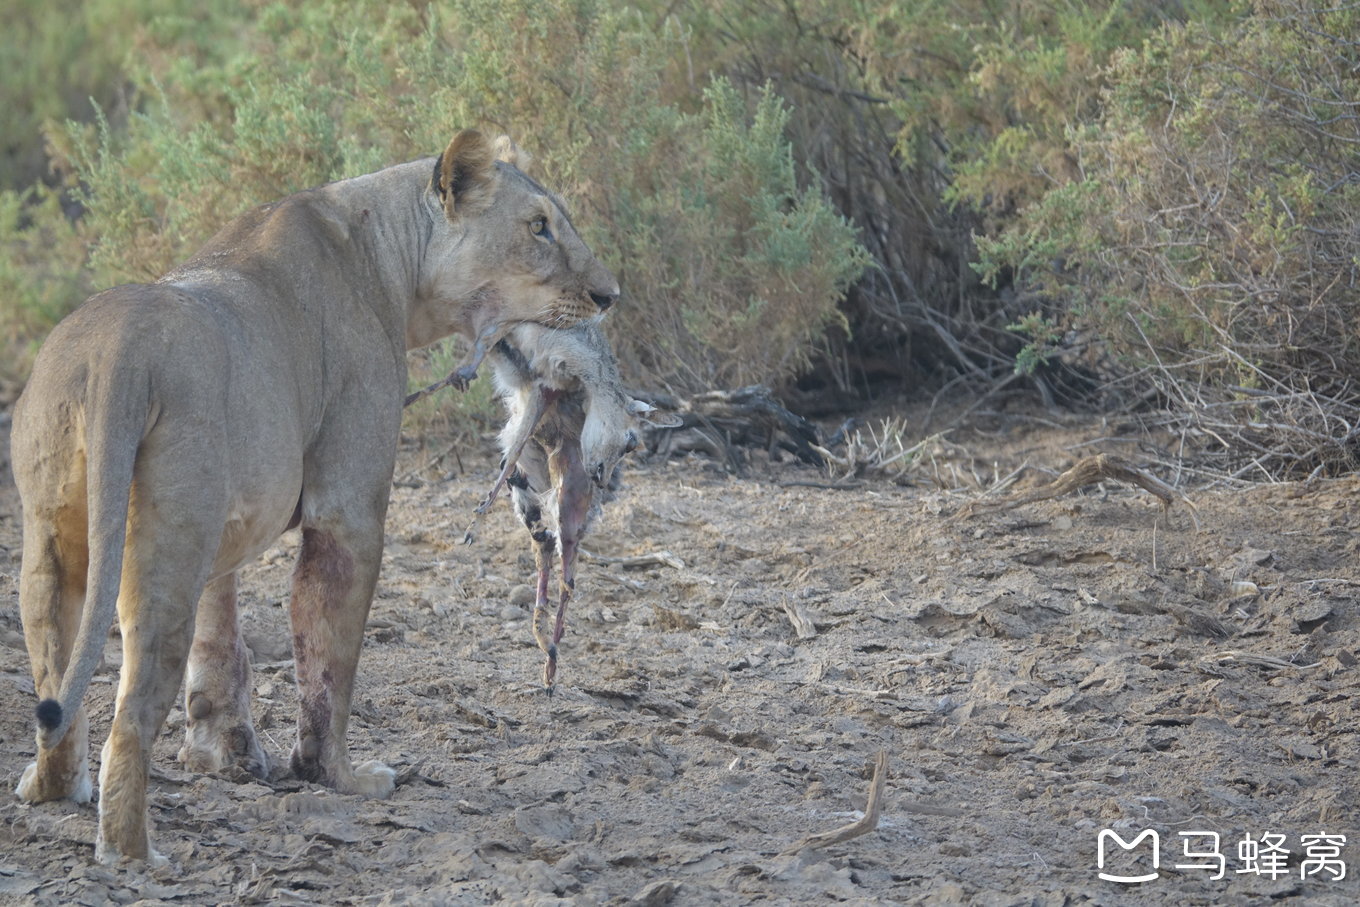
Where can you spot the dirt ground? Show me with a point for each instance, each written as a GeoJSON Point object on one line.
{"type": "Point", "coordinates": [1036, 676]}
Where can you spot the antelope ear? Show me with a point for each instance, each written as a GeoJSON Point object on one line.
{"type": "Point", "coordinates": [465, 174]}
{"type": "Point", "coordinates": [510, 153]}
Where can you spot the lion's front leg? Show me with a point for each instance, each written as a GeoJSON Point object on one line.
{"type": "Point", "coordinates": [218, 730]}
{"type": "Point", "coordinates": [332, 590]}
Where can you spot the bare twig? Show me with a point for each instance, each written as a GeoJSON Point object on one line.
{"type": "Point", "coordinates": [409, 476]}
{"type": "Point", "coordinates": [867, 823]}
{"type": "Point", "coordinates": [1260, 661]}
{"type": "Point", "coordinates": [655, 559]}
{"type": "Point", "coordinates": [1086, 472]}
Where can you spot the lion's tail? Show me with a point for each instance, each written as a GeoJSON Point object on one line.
{"type": "Point", "coordinates": [115, 421]}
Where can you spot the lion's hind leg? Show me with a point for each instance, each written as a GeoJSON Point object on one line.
{"type": "Point", "coordinates": [51, 593]}
{"type": "Point", "coordinates": [176, 513]}
{"type": "Point", "coordinates": [156, 614]}
{"type": "Point", "coordinates": [333, 585]}
{"type": "Point", "coordinates": [218, 730]}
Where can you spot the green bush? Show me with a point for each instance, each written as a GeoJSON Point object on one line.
{"type": "Point", "coordinates": [66, 63]}
{"type": "Point", "coordinates": [929, 122]}
{"type": "Point", "coordinates": [731, 272]}
{"type": "Point", "coordinates": [1165, 184]}
{"type": "Point", "coordinates": [58, 57]}
{"type": "Point", "coordinates": [41, 276]}
{"type": "Point", "coordinates": [1212, 239]}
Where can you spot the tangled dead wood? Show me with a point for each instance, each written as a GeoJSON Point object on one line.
{"type": "Point", "coordinates": [721, 422]}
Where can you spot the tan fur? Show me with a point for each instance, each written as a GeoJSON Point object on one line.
{"type": "Point", "coordinates": [171, 431]}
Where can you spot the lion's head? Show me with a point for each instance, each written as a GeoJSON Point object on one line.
{"type": "Point", "coordinates": [506, 243]}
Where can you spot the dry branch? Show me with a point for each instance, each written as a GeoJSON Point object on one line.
{"type": "Point", "coordinates": [655, 559]}
{"type": "Point", "coordinates": [1261, 661]}
{"type": "Point", "coordinates": [1087, 472]}
{"type": "Point", "coordinates": [882, 451]}
{"type": "Point", "coordinates": [867, 823]}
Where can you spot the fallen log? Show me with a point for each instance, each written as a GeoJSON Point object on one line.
{"type": "Point", "coordinates": [721, 422]}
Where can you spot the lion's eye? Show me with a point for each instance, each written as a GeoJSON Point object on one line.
{"type": "Point", "coordinates": [539, 227]}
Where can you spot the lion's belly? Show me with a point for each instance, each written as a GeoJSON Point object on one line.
{"type": "Point", "coordinates": [260, 506]}
{"type": "Point", "coordinates": [246, 534]}
{"type": "Point", "coordinates": [263, 462]}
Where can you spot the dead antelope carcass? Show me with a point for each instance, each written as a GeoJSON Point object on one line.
{"type": "Point", "coordinates": [569, 425]}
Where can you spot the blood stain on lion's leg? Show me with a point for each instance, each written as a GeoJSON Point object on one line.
{"type": "Point", "coordinates": [329, 609]}
{"type": "Point", "coordinates": [324, 573]}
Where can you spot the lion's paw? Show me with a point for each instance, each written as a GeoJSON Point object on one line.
{"type": "Point", "coordinates": [373, 779]}
{"type": "Point", "coordinates": [34, 789]}
{"type": "Point", "coordinates": [28, 785]}
{"type": "Point", "coordinates": [237, 747]}
{"type": "Point", "coordinates": [108, 855]}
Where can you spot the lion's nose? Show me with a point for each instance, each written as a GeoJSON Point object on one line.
{"type": "Point", "coordinates": [604, 300]}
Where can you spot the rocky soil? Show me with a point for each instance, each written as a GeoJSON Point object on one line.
{"type": "Point", "coordinates": [1034, 675]}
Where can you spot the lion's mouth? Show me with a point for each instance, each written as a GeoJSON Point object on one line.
{"type": "Point", "coordinates": [570, 311]}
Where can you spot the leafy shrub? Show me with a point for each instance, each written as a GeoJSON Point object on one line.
{"type": "Point", "coordinates": [67, 60]}
{"type": "Point", "coordinates": [731, 272]}
{"type": "Point", "coordinates": [1213, 236]}
{"type": "Point", "coordinates": [57, 57]}
{"type": "Point", "coordinates": [916, 315]}
{"type": "Point", "coordinates": [41, 276]}
{"type": "Point", "coordinates": [740, 270]}
{"type": "Point", "coordinates": [929, 123]}
{"type": "Point", "coordinates": [1162, 187]}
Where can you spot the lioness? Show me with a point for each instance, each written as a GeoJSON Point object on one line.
{"type": "Point", "coordinates": [171, 431]}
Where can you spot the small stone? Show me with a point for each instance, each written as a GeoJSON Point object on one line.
{"type": "Point", "coordinates": [657, 894]}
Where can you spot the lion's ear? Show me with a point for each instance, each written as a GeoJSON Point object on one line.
{"type": "Point", "coordinates": [465, 174]}
{"type": "Point", "coordinates": [510, 153]}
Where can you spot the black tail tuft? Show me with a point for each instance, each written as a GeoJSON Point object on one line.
{"type": "Point", "coordinates": [49, 714]}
